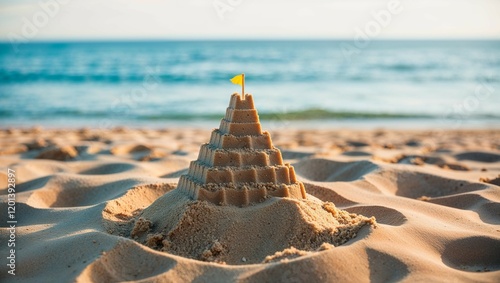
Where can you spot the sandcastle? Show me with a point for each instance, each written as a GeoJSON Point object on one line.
{"type": "Point", "coordinates": [240, 165]}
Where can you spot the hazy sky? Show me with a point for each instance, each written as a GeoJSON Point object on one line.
{"type": "Point", "coordinates": [158, 19]}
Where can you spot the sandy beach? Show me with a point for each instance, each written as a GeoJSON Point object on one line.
{"type": "Point", "coordinates": [82, 195]}
{"type": "Point", "coordinates": [370, 154]}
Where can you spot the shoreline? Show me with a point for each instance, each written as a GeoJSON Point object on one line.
{"type": "Point", "coordinates": [358, 124]}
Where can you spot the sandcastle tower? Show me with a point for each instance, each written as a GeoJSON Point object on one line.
{"type": "Point", "coordinates": [240, 165]}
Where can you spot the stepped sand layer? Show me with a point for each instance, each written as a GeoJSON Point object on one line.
{"type": "Point", "coordinates": [240, 165]}
{"type": "Point", "coordinates": [435, 195]}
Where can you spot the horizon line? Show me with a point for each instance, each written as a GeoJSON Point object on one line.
{"type": "Point", "coordinates": [221, 39]}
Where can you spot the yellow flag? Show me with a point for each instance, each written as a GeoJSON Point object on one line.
{"type": "Point", "coordinates": [237, 80]}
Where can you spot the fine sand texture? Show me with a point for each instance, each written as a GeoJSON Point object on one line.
{"type": "Point", "coordinates": [102, 206]}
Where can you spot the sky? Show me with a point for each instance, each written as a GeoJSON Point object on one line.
{"type": "Point", "coordinates": [33, 20]}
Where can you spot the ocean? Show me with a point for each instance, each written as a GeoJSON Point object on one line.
{"type": "Point", "coordinates": [406, 84]}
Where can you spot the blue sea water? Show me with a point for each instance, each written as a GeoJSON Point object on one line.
{"type": "Point", "coordinates": [105, 84]}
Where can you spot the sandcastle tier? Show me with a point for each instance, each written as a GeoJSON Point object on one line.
{"type": "Point", "coordinates": [240, 165]}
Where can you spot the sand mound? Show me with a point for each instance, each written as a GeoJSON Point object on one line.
{"type": "Point", "coordinates": [59, 153]}
{"type": "Point", "coordinates": [205, 231]}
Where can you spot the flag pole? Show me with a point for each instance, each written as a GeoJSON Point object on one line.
{"type": "Point", "coordinates": [243, 86]}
